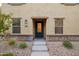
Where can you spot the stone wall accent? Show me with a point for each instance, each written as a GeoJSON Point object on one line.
{"type": "Point", "coordinates": [19, 37]}
{"type": "Point", "coordinates": [62, 37]}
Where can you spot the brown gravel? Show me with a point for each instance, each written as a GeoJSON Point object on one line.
{"type": "Point", "coordinates": [57, 49]}
{"type": "Point", "coordinates": [4, 47]}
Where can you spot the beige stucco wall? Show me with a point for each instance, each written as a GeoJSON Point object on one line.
{"type": "Point", "coordinates": [69, 13]}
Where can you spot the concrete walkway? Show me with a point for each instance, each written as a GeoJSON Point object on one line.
{"type": "Point", "coordinates": [39, 48]}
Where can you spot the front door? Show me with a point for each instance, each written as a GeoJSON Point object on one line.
{"type": "Point", "coordinates": [39, 29]}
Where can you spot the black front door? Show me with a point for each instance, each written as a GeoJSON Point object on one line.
{"type": "Point", "coordinates": [39, 29]}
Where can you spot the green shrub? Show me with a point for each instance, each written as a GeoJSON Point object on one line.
{"type": "Point", "coordinates": [12, 42]}
{"type": "Point", "coordinates": [6, 54]}
{"type": "Point", "coordinates": [23, 45]}
{"type": "Point", "coordinates": [67, 44]}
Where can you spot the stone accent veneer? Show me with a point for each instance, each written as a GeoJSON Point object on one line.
{"type": "Point", "coordinates": [62, 37]}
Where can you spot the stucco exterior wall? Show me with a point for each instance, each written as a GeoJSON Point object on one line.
{"type": "Point", "coordinates": [69, 13]}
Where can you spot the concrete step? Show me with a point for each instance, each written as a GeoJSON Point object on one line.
{"type": "Point", "coordinates": [39, 39]}
{"type": "Point", "coordinates": [38, 42]}
{"type": "Point", "coordinates": [39, 48]}
{"type": "Point", "coordinates": [40, 54]}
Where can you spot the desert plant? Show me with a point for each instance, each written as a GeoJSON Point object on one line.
{"type": "Point", "coordinates": [5, 23]}
{"type": "Point", "coordinates": [7, 54]}
{"type": "Point", "coordinates": [12, 42]}
{"type": "Point", "coordinates": [67, 44]}
{"type": "Point", "coordinates": [23, 45]}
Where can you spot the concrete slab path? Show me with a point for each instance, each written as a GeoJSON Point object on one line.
{"type": "Point", "coordinates": [39, 48]}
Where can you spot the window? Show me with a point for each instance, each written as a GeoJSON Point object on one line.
{"type": "Point", "coordinates": [69, 4]}
{"type": "Point", "coordinates": [16, 25]}
{"type": "Point", "coordinates": [16, 4]}
{"type": "Point", "coordinates": [58, 25]}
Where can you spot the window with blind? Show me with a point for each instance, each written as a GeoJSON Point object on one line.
{"type": "Point", "coordinates": [16, 25]}
{"type": "Point", "coordinates": [69, 4]}
{"type": "Point", "coordinates": [58, 25]}
{"type": "Point", "coordinates": [16, 4]}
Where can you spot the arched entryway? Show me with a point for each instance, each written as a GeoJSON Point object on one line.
{"type": "Point", "coordinates": [39, 27]}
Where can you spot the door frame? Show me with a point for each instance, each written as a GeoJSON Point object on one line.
{"type": "Point", "coordinates": [34, 19]}
{"type": "Point", "coordinates": [39, 34]}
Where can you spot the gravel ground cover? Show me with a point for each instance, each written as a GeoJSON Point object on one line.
{"type": "Point", "coordinates": [57, 49]}
{"type": "Point", "coordinates": [4, 48]}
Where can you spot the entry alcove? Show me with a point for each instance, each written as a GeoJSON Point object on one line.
{"type": "Point", "coordinates": [39, 27]}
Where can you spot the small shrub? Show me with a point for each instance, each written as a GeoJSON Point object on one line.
{"type": "Point", "coordinates": [23, 45]}
{"type": "Point", "coordinates": [6, 54]}
{"type": "Point", "coordinates": [67, 44]}
{"type": "Point", "coordinates": [12, 42]}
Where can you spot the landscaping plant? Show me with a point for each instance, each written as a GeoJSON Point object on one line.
{"type": "Point", "coordinates": [23, 45]}
{"type": "Point", "coordinates": [12, 42]}
{"type": "Point", "coordinates": [67, 44]}
{"type": "Point", "coordinates": [7, 54]}
{"type": "Point", "coordinates": [5, 23]}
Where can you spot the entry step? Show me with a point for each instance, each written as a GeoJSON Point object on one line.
{"type": "Point", "coordinates": [40, 54]}
{"type": "Point", "coordinates": [39, 42]}
{"type": "Point", "coordinates": [39, 48]}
